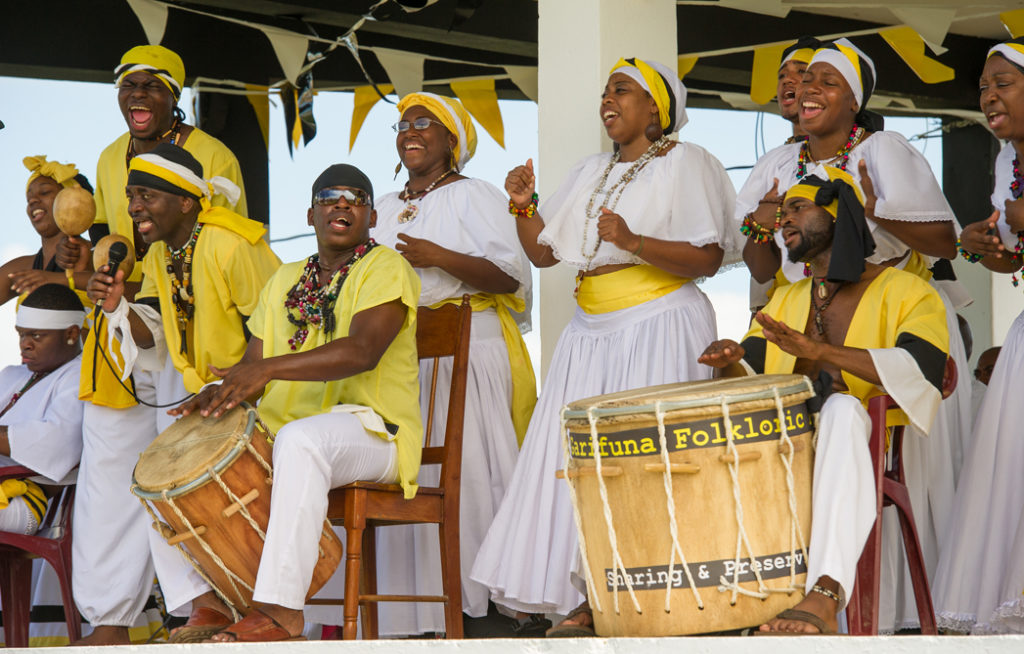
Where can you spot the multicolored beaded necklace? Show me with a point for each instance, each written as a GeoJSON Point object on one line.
{"type": "Point", "coordinates": [36, 376]}
{"type": "Point", "coordinates": [181, 290]}
{"type": "Point", "coordinates": [174, 132]}
{"type": "Point", "coordinates": [310, 305]}
{"type": "Point", "coordinates": [843, 156]}
{"type": "Point", "coordinates": [1016, 190]}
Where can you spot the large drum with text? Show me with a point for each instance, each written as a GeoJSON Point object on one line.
{"type": "Point", "coordinates": [210, 479]}
{"type": "Point", "coordinates": [714, 473]}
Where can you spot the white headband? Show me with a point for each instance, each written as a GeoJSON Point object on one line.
{"type": "Point", "coordinates": [1011, 53]}
{"type": "Point", "coordinates": [221, 185]}
{"type": "Point", "coordinates": [36, 318]}
{"type": "Point", "coordinates": [675, 87]}
{"type": "Point", "coordinates": [845, 67]}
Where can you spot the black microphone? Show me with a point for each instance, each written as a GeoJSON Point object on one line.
{"type": "Point", "coordinates": [117, 253]}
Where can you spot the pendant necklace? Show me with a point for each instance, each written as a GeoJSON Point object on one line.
{"type": "Point", "coordinates": [410, 210]}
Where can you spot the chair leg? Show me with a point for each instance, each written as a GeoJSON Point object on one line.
{"type": "Point", "coordinates": [862, 607]}
{"type": "Point", "coordinates": [62, 566]}
{"type": "Point", "coordinates": [16, 597]}
{"type": "Point", "coordinates": [355, 523]}
{"type": "Point", "coordinates": [369, 609]}
{"type": "Point", "coordinates": [900, 499]}
{"type": "Point", "coordinates": [451, 575]}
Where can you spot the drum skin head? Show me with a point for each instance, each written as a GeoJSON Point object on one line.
{"type": "Point", "coordinates": [183, 451]}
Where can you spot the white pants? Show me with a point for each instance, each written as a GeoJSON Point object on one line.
{"type": "Point", "coordinates": [843, 493]}
{"type": "Point", "coordinates": [16, 518]}
{"type": "Point", "coordinates": [112, 571]}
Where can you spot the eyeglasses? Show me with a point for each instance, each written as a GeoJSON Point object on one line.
{"type": "Point", "coordinates": [328, 197]}
{"type": "Point", "coordinates": [419, 124]}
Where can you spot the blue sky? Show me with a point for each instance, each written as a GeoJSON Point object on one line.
{"type": "Point", "coordinates": [74, 121]}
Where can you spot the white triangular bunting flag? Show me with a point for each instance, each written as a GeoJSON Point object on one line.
{"type": "Point", "coordinates": [525, 78]}
{"type": "Point", "coordinates": [153, 16]}
{"type": "Point", "coordinates": [404, 69]}
{"type": "Point", "coordinates": [290, 49]}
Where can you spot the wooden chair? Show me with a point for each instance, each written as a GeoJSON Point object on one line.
{"type": "Point", "coordinates": [362, 506]}
{"type": "Point", "coordinates": [52, 542]}
{"type": "Point", "coordinates": [891, 490]}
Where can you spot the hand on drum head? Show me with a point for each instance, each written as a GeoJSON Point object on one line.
{"type": "Point", "coordinates": [241, 382]}
{"type": "Point", "coordinates": [722, 353]}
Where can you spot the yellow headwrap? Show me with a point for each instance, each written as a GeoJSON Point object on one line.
{"type": "Point", "coordinates": [810, 191]}
{"type": "Point", "coordinates": [453, 116]}
{"type": "Point", "coordinates": [38, 166]}
{"type": "Point", "coordinates": [1012, 50]}
{"type": "Point", "coordinates": [156, 60]}
{"type": "Point", "coordinates": [665, 88]}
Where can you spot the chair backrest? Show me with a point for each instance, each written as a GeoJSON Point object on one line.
{"type": "Point", "coordinates": [444, 332]}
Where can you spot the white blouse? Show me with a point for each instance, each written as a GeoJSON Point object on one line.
{"type": "Point", "coordinates": [469, 216]}
{"type": "Point", "coordinates": [904, 185]}
{"type": "Point", "coordinates": [684, 195]}
{"type": "Point", "coordinates": [1001, 193]}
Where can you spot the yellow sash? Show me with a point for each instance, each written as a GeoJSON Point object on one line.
{"type": "Point", "coordinates": [35, 499]}
{"type": "Point", "coordinates": [97, 383]}
{"type": "Point", "coordinates": [626, 288]}
{"type": "Point", "coordinates": [524, 383]}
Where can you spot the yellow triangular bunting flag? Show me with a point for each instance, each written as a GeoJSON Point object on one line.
{"type": "Point", "coordinates": [909, 45]}
{"type": "Point", "coordinates": [764, 76]}
{"type": "Point", "coordinates": [480, 100]}
{"type": "Point", "coordinates": [685, 64]}
{"type": "Point", "coordinates": [261, 107]}
{"type": "Point", "coordinates": [1014, 21]}
{"type": "Point", "coordinates": [364, 99]}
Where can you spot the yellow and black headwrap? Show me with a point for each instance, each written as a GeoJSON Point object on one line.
{"type": "Point", "coordinates": [66, 175]}
{"type": "Point", "coordinates": [156, 60]}
{"type": "Point", "coordinates": [665, 87]}
{"type": "Point", "coordinates": [852, 242]}
{"type": "Point", "coordinates": [802, 51]}
{"type": "Point", "coordinates": [1012, 51]}
{"type": "Point", "coordinates": [172, 169]}
{"type": "Point", "coordinates": [454, 117]}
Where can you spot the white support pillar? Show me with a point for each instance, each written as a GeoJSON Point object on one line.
{"type": "Point", "coordinates": [578, 41]}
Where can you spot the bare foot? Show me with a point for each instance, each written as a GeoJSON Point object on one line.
{"type": "Point", "coordinates": [104, 635]}
{"type": "Point", "coordinates": [817, 605]}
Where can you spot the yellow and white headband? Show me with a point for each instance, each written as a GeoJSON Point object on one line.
{"type": "Point", "coordinates": [183, 178]}
{"type": "Point", "coordinates": [1014, 52]}
{"type": "Point", "coordinates": [848, 60]}
{"type": "Point", "coordinates": [663, 84]}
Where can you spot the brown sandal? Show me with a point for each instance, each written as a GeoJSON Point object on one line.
{"type": "Point", "coordinates": [563, 630]}
{"type": "Point", "coordinates": [257, 627]}
{"type": "Point", "coordinates": [203, 623]}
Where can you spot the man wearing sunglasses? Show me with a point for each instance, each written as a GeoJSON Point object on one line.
{"type": "Point", "coordinates": [333, 362]}
{"type": "Point", "coordinates": [202, 278]}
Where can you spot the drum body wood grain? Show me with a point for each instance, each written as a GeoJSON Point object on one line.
{"type": "Point", "coordinates": [705, 486]}
{"type": "Point", "coordinates": [208, 479]}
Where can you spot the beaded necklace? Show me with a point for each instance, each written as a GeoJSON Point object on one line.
{"type": "Point", "coordinates": [174, 132]}
{"type": "Point", "coordinates": [856, 134]}
{"type": "Point", "coordinates": [310, 305]}
{"type": "Point", "coordinates": [181, 290]}
{"type": "Point", "coordinates": [36, 376]}
{"type": "Point", "coordinates": [1016, 190]}
{"type": "Point", "coordinates": [410, 210]}
{"type": "Point", "coordinates": [611, 196]}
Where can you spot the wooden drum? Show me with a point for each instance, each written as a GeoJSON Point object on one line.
{"type": "Point", "coordinates": [699, 472]}
{"type": "Point", "coordinates": [210, 479]}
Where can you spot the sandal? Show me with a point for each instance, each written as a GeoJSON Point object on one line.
{"type": "Point", "coordinates": [203, 623]}
{"type": "Point", "coordinates": [799, 616]}
{"type": "Point", "coordinates": [256, 627]}
{"type": "Point", "coordinates": [563, 630]}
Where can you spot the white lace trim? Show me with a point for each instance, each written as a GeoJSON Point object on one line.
{"type": "Point", "coordinates": [958, 622]}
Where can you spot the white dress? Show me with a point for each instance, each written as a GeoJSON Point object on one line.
{"type": "Point", "coordinates": [531, 549]}
{"type": "Point", "coordinates": [469, 216]}
{"type": "Point", "coordinates": [980, 578]}
{"type": "Point", "coordinates": [907, 191]}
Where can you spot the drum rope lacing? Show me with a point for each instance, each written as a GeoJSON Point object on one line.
{"type": "Point", "coordinates": [673, 527]}
{"type": "Point", "coordinates": [741, 530]}
{"type": "Point", "coordinates": [594, 597]}
{"type": "Point", "coordinates": [795, 531]}
{"type": "Point", "coordinates": [617, 562]}
{"type": "Point", "coordinates": [235, 615]}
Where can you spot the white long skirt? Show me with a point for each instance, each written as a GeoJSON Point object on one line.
{"type": "Point", "coordinates": [531, 548]}
{"type": "Point", "coordinates": [408, 557]}
{"type": "Point", "coordinates": [980, 576]}
{"type": "Point", "coordinates": [930, 467]}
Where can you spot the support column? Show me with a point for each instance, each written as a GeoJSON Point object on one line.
{"type": "Point", "coordinates": [578, 41]}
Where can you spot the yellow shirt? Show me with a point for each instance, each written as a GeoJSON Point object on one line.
{"type": "Point", "coordinates": [895, 303]}
{"type": "Point", "coordinates": [391, 389]}
{"type": "Point", "coordinates": [230, 266]}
